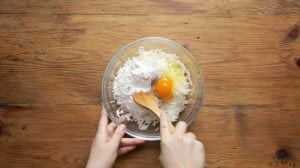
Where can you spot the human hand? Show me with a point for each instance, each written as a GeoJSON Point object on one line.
{"type": "Point", "coordinates": [180, 149]}
{"type": "Point", "coordinates": [109, 143]}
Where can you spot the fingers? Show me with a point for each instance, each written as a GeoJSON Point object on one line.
{"type": "Point", "coordinates": [124, 150]}
{"type": "Point", "coordinates": [121, 119]}
{"type": "Point", "coordinates": [117, 136]}
{"type": "Point", "coordinates": [191, 135]}
{"type": "Point", "coordinates": [164, 131]}
{"type": "Point", "coordinates": [111, 128]}
{"type": "Point", "coordinates": [102, 126]}
{"type": "Point", "coordinates": [131, 142]}
{"type": "Point", "coordinates": [181, 128]}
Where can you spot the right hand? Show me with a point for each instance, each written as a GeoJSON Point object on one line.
{"type": "Point", "coordinates": [180, 149]}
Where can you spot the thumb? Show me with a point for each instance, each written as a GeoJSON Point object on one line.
{"type": "Point", "coordinates": [117, 136]}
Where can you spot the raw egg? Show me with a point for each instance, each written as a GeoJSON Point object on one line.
{"type": "Point", "coordinates": [163, 87]}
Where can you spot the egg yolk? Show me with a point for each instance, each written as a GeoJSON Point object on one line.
{"type": "Point", "coordinates": [163, 87]}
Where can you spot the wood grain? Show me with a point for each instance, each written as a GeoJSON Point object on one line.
{"type": "Point", "coordinates": [53, 54]}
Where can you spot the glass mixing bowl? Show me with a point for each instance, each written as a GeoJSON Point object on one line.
{"type": "Point", "coordinates": [130, 50]}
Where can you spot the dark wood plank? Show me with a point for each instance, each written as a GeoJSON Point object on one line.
{"type": "Point", "coordinates": [137, 7]}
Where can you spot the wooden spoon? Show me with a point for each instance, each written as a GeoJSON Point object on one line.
{"type": "Point", "coordinates": [148, 100]}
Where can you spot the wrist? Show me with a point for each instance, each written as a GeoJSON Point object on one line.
{"type": "Point", "coordinates": [98, 164]}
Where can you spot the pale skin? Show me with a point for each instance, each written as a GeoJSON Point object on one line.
{"type": "Point", "coordinates": [110, 143]}
{"type": "Point", "coordinates": [180, 149]}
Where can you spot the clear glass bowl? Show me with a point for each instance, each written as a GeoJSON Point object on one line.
{"type": "Point", "coordinates": [130, 50]}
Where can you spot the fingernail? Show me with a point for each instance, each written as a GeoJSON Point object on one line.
{"type": "Point", "coordinates": [122, 127]}
{"type": "Point", "coordinates": [103, 114]}
{"type": "Point", "coordinates": [161, 114]}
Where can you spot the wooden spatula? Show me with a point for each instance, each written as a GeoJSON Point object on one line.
{"type": "Point", "coordinates": [148, 100]}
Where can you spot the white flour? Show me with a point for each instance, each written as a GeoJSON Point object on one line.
{"type": "Point", "coordinates": [136, 75]}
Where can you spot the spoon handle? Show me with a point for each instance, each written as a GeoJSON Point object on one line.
{"type": "Point", "coordinates": [171, 127]}
{"type": "Point", "coordinates": [148, 100]}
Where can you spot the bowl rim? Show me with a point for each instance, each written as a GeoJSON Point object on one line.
{"type": "Point", "coordinates": [114, 58]}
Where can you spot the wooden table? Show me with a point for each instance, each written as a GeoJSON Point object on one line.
{"type": "Point", "coordinates": [53, 54]}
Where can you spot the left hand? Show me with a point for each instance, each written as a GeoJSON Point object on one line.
{"type": "Point", "coordinates": [109, 143]}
